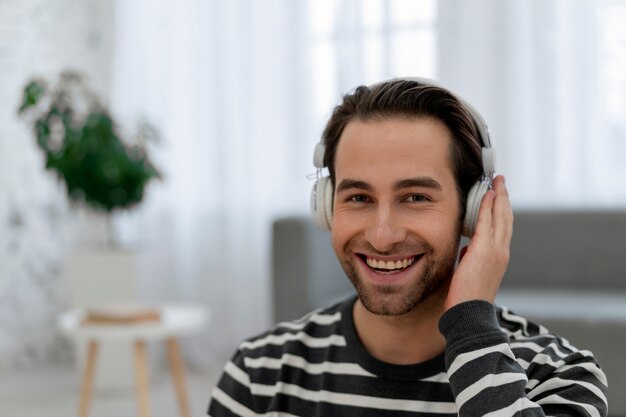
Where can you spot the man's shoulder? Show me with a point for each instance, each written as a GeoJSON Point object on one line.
{"type": "Point", "coordinates": [319, 329]}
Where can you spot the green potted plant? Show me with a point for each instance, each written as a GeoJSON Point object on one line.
{"type": "Point", "coordinates": [82, 144]}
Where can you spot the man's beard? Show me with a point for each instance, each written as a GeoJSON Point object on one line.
{"type": "Point", "coordinates": [391, 300]}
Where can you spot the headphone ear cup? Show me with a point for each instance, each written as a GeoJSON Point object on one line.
{"type": "Point", "coordinates": [474, 198]}
{"type": "Point", "coordinates": [322, 203]}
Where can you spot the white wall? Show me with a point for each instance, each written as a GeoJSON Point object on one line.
{"type": "Point", "coordinates": [39, 37]}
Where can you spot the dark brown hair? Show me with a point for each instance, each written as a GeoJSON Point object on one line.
{"type": "Point", "coordinates": [411, 99]}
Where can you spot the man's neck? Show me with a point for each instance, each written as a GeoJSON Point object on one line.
{"type": "Point", "coordinates": [403, 340]}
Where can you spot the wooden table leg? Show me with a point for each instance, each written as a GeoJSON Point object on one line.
{"type": "Point", "coordinates": [178, 376]}
{"type": "Point", "coordinates": [143, 383]}
{"type": "Point", "coordinates": [87, 382]}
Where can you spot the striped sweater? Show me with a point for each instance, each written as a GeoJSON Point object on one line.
{"type": "Point", "coordinates": [495, 364]}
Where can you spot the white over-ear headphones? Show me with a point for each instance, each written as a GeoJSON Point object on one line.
{"type": "Point", "coordinates": [322, 193]}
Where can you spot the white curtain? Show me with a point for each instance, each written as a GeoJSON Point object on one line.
{"type": "Point", "coordinates": [240, 91]}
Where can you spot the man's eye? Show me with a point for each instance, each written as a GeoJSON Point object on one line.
{"type": "Point", "coordinates": [359, 198]}
{"type": "Point", "coordinates": [416, 198]}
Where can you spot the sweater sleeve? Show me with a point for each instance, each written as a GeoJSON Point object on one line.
{"type": "Point", "coordinates": [487, 379]}
{"type": "Point", "coordinates": [232, 397]}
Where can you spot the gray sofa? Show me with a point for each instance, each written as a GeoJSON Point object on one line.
{"type": "Point", "coordinates": [567, 272]}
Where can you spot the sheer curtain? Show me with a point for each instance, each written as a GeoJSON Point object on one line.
{"type": "Point", "coordinates": [240, 91]}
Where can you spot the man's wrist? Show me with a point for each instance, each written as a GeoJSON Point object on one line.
{"type": "Point", "coordinates": [469, 319]}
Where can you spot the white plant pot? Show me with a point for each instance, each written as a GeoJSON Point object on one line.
{"type": "Point", "coordinates": [97, 277]}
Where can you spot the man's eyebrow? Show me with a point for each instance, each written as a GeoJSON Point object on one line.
{"type": "Point", "coordinates": [350, 184]}
{"type": "Point", "coordinates": [421, 182]}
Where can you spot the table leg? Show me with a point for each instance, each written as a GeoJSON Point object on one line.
{"type": "Point", "coordinates": [87, 382]}
{"type": "Point", "coordinates": [143, 384]}
{"type": "Point", "coordinates": [178, 375]}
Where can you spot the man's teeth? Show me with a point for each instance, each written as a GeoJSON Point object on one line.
{"type": "Point", "coordinates": [389, 265]}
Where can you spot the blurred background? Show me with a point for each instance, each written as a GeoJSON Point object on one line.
{"type": "Point", "coordinates": [239, 92]}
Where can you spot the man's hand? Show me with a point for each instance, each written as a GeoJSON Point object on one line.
{"type": "Point", "coordinates": [485, 260]}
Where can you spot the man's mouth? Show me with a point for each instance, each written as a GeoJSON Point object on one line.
{"type": "Point", "coordinates": [383, 265]}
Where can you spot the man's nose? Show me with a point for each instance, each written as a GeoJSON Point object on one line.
{"type": "Point", "coordinates": [385, 230]}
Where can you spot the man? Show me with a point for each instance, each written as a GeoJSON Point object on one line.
{"type": "Point", "coordinates": [422, 337]}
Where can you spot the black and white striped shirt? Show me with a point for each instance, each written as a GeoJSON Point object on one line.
{"type": "Point", "coordinates": [495, 364]}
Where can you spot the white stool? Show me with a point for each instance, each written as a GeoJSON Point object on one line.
{"type": "Point", "coordinates": [175, 321]}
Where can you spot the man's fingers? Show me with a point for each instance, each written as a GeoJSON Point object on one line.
{"type": "Point", "coordinates": [484, 224]}
{"type": "Point", "coordinates": [502, 213]}
{"type": "Point", "coordinates": [495, 218]}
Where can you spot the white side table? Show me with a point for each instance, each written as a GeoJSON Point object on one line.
{"type": "Point", "coordinates": [176, 321]}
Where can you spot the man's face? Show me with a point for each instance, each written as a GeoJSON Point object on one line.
{"type": "Point", "coordinates": [396, 216]}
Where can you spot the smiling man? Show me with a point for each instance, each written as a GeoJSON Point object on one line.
{"type": "Point", "coordinates": [410, 172]}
